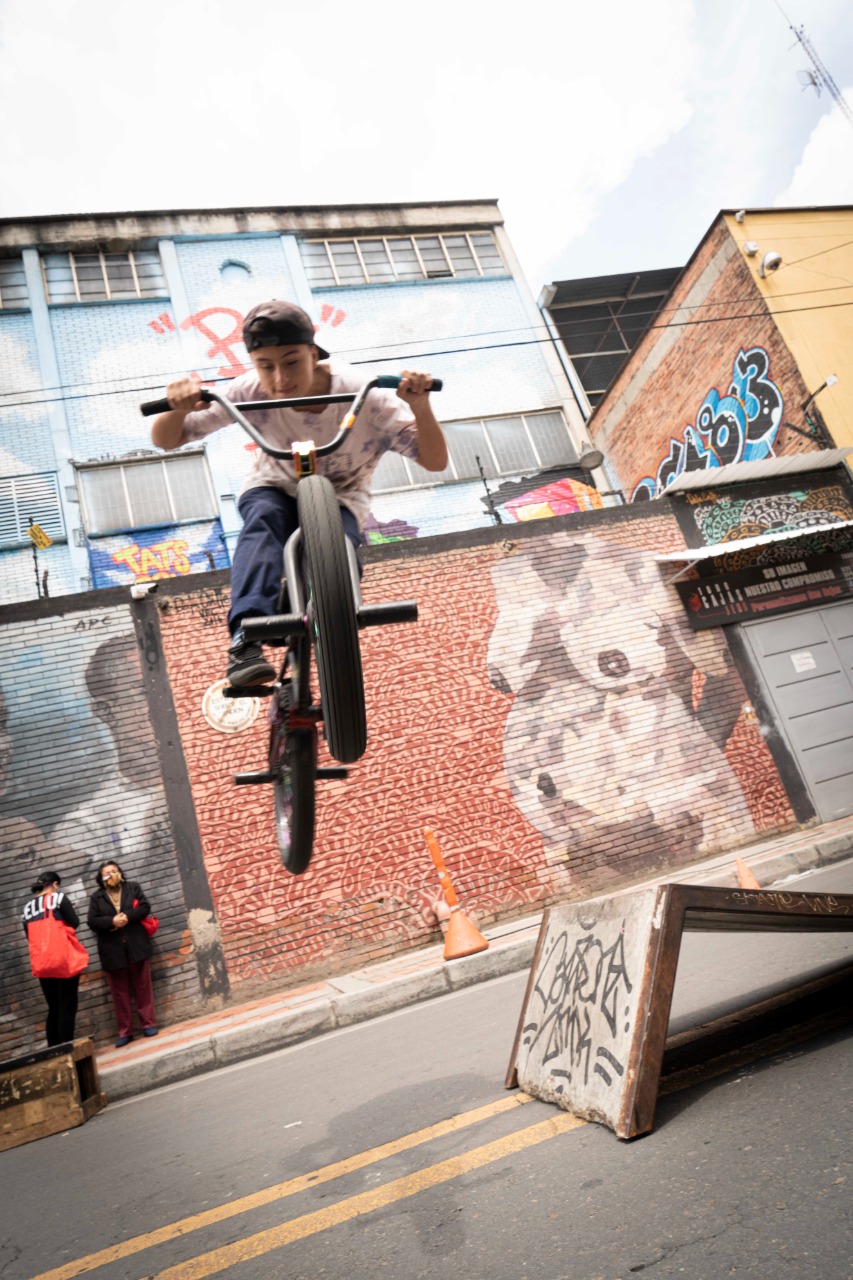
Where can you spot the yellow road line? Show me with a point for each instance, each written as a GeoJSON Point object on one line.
{"type": "Point", "coordinates": [208, 1264]}
{"type": "Point", "coordinates": [294, 1185]}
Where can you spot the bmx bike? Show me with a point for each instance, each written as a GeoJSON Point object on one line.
{"type": "Point", "coordinates": [321, 612]}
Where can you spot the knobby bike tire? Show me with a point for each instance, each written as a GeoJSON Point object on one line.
{"type": "Point", "coordinates": [294, 794]}
{"type": "Point", "coordinates": [335, 623]}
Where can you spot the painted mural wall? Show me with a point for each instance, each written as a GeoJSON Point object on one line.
{"type": "Point", "coordinates": [80, 783]}
{"type": "Point", "coordinates": [558, 745]}
{"type": "Point", "coordinates": [550, 716]}
{"type": "Point", "coordinates": [715, 383]}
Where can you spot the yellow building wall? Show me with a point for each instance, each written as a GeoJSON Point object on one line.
{"type": "Point", "coordinates": [811, 298]}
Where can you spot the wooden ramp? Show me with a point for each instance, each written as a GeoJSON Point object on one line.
{"type": "Point", "coordinates": [592, 1035]}
{"type": "Point", "coordinates": [47, 1092]}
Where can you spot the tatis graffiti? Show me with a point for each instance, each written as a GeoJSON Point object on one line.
{"type": "Point", "coordinates": [740, 426]}
{"type": "Point", "coordinates": [162, 560]}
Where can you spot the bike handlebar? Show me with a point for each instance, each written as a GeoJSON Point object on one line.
{"type": "Point", "coordinates": [235, 412]}
{"type": "Point", "coordinates": [389, 381]}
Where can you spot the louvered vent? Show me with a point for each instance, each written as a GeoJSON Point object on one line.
{"type": "Point", "coordinates": [25, 498]}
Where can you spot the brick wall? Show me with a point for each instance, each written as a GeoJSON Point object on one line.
{"type": "Point", "coordinates": [688, 363]}
{"type": "Point", "coordinates": [503, 719]}
{"type": "Point", "coordinates": [550, 716]}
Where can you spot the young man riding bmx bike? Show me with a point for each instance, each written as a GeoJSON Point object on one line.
{"type": "Point", "coordinates": [288, 364]}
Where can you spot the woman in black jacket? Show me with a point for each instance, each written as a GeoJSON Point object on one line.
{"type": "Point", "coordinates": [115, 912]}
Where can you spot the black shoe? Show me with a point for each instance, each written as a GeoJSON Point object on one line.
{"type": "Point", "coordinates": [150, 1031]}
{"type": "Point", "coordinates": [247, 664]}
{"type": "Point", "coordinates": [122, 1041]}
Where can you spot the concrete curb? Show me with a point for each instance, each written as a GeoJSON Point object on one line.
{"type": "Point", "coordinates": [362, 997]}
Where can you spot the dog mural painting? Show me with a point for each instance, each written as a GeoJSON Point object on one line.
{"type": "Point", "coordinates": [608, 750]}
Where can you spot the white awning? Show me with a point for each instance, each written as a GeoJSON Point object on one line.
{"type": "Point", "coordinates": [693, 555]}
{"type": "Point", "coordinates": [765, 469]}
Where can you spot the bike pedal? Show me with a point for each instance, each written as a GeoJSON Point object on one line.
{"type": "Point", "coordinates": [253, 779]}
{"type": "Point", "coordinates": [332, 771]}
{"type": "Point", "coordinates": [248, 691]}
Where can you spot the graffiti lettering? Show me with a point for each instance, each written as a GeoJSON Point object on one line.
{"type": "Point", "coordinates": [574, 989]}
{"type": "Point", "coordinates": [163, 323]}
{"type": "Point", "coordinates": [220, 345]}
{"type": "Point", "coordinates": [331, 315]}
{"type": "Point", "coordinates": [163, 560]}
{"type": "Point", "coordinates": [740, 426]}
{"type": "Point", "coordinates": [209, 608]}
{"type": "Point", "coordinates": [88, 624]}
{"type": "Point", "coordinates": [824, 904]}
{"type": "Point", "coordinates": [225, 344]}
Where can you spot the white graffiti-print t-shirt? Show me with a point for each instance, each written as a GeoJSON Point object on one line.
{"type": "Point", "coordinates": [385, 423]}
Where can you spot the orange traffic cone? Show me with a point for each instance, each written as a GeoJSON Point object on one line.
{"type": "Point", "coordinates": [745, 878]}
{"type": "Point", "coordinates": [463, 938]}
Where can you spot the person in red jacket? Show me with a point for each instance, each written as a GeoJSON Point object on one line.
{"type": "Point", "coordinates": [56, 960]}
{"type": "Point", "coordinates": [116, 910]}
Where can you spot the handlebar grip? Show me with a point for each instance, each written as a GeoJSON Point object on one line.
{"type": "Point", "coordinates": [152, 407]}
{"type": "Point", "coordinates": [391, 381]}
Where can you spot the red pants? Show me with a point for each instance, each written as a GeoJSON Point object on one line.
{"type": "Point", "coordinates": [137, 976]}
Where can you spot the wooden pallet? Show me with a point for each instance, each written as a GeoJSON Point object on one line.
{"type": "Point", "coordinates": [47, 1092]}
{"type": "Point", "coordinates": [592, 1035]}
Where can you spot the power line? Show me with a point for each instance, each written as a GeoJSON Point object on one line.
{"type": "Point", "coordinates": [622, 318]}
{"type": "Point", "coordinates": [495, 346]}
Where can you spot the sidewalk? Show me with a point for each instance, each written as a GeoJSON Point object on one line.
{"type": "Point", "coordinates": [237, 1032]}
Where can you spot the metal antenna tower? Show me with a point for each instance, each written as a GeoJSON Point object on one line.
{"type": "Point", "coordinates": [819, 78]}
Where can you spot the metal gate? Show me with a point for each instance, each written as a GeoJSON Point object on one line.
{"type": "Point", "coordinates": [806, 664]}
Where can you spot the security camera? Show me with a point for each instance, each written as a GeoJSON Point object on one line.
{"type": "Point", "coordinates": [769, 263]}
{"type": "Point", "coordinates": [140, 590]}
{"type": "Point", "coordinates": [740, 215]}
{"type": "Point", "coordinates": [750, 248]}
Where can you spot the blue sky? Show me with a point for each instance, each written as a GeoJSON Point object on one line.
{"type": "Point", "coordinates": [611, 134]}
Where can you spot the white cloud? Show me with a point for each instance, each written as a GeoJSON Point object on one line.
{"type": "Point", "coordinates": [824, 174]}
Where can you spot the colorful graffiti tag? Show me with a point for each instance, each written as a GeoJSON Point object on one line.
{"type": "Point", "coordinates": [740, 426]}
{"type": "Point", "coordinates": [222, 345]}
{"type": "Point", "coordinates": [155, 553]}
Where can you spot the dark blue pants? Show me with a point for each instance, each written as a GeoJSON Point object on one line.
{"type": "Point", "coordinates": [269, 518]}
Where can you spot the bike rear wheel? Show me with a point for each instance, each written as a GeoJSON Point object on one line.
{"type": "Point", "coordinates": [335, 624]}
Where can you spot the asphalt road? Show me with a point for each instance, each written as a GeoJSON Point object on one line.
{"type": "Point", "coordinates": [391, 1149]}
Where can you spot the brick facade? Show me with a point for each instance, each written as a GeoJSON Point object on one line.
{"type": "Point", "coordinates": [550, 716]}
{"type": "Point", "coordinates": [682, 381]}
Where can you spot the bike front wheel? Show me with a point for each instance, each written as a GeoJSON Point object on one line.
{"type": "Point", "coordinates": [335, 623]}
{"type": "Point", "coordinates": [294, 794]}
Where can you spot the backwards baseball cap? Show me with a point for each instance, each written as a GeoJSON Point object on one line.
{"type": "Point", "coordinates": [279, 324]}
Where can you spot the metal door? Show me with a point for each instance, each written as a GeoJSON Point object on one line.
{"type": "Point", "coordinates": [806, 664]}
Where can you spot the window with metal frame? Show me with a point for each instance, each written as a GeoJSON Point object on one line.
{"type": "Point", "coordinates": [13, 284]}
{"type": "Point", "coordinates": [385, 259]}
{"type": "Point", "coordinates": [103, 277]}
{"type": "Point", "coordinates": [525, 442]}
{"type": "Point", "coordinates": [29, 498]}
{"type": "Point", "coordinates": [142, 493]}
